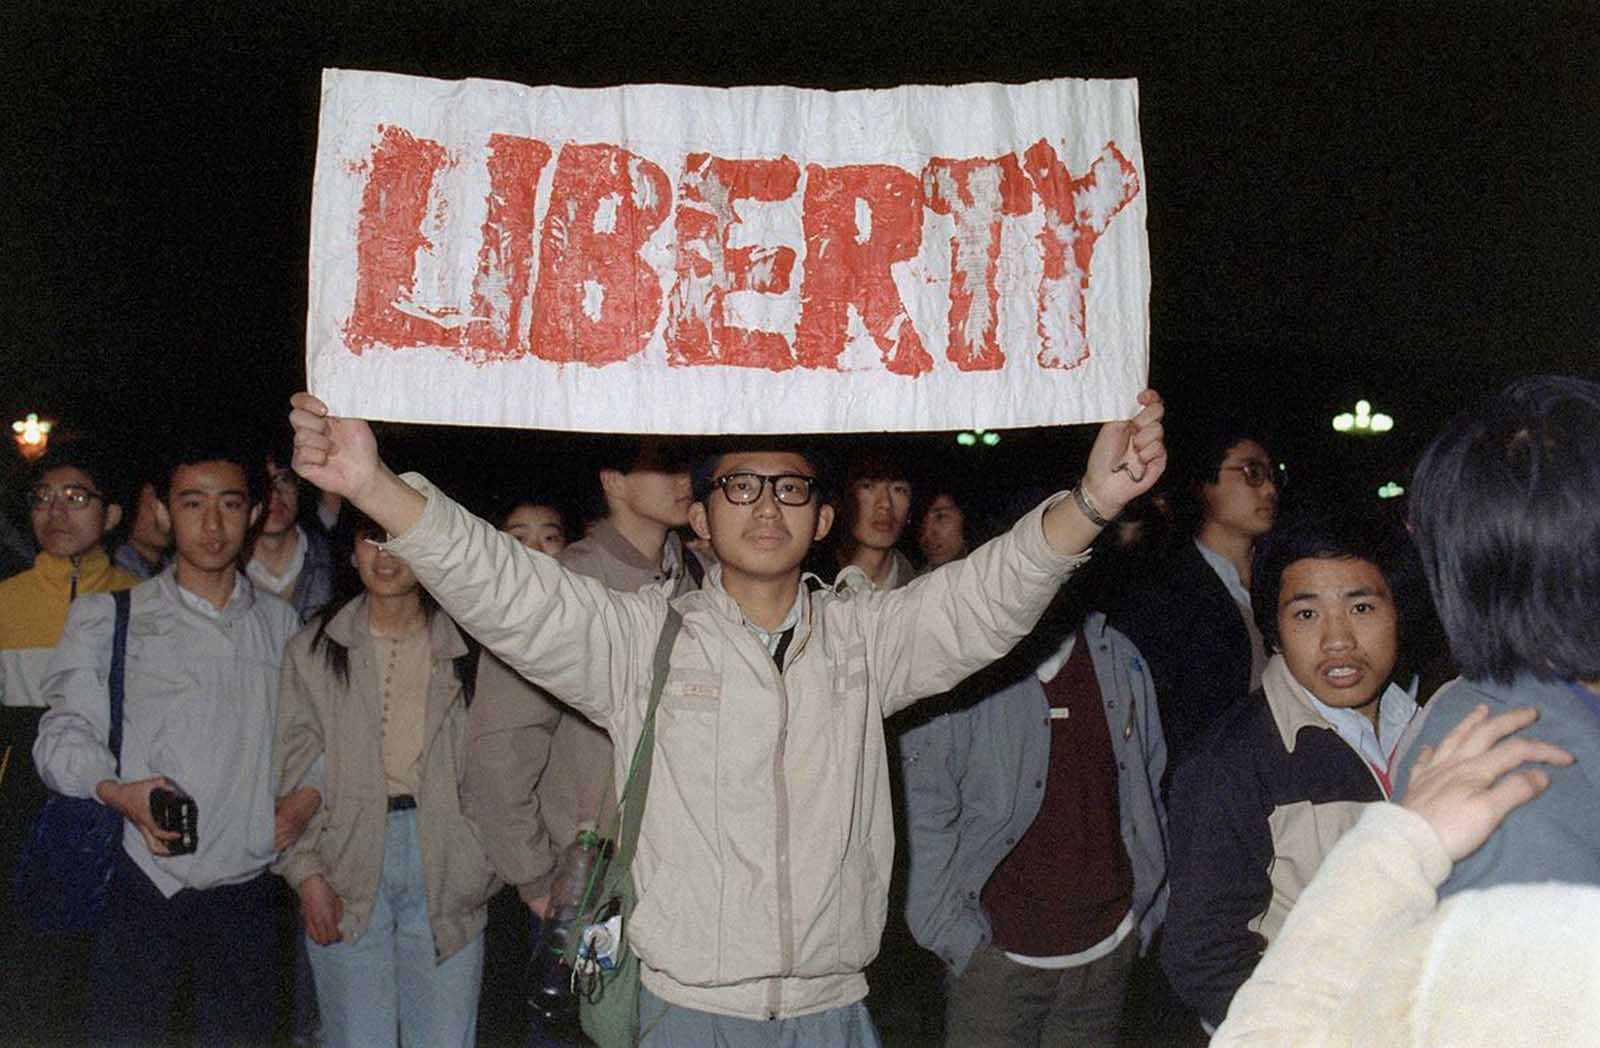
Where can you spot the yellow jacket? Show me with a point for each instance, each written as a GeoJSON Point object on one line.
{"type": "Point", "coordinates": [33, 608]}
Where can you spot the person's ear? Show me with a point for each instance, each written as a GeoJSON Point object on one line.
{"type": "Point", "coordinates": [255, 515]}
{"type": "Point", "coordinates": [113, 518]}
{"type": "Point", "coordinates": [699, 520]}
{"type": "Point", "coordinates": [163, 516]}
{"type": "Point", "coordinates": [613, 483]}
{"type": "Point", "coordinates": [824, 522]}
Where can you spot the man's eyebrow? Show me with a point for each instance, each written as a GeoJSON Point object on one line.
{"type": "Point", "coordinates": [1359, 591]}
{"type": "Point", "coordinates": [202, 491]}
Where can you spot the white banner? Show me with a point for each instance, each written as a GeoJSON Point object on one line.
{"type": "Point", "coordinates": [659, 259]}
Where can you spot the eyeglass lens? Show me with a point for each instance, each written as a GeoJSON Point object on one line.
{"type": "Point", "coordinates": [791, 489]}
{"type": "Point", "coordinates": [71, 496]}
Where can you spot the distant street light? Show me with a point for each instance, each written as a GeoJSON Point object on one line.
{"type": "Point", "coordinates": [1363, 423]}
{"type": "Point", "coordinates": [973, 437]}
{"type": "Point", "coordinates": [1391, 490]}
{"type": "Point", "coordinates": [32, 435]}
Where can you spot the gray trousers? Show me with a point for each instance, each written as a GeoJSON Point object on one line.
{"type": "Point", "coordinates": [673, 1026]}
{"type": "Point", "coordinates": [998, 1002]}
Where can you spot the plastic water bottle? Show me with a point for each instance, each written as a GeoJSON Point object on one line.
{"type": "Point", "coordinates": [551, 995]}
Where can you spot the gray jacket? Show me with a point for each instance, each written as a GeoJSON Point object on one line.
{"type": "Point", "coordinates": [972, 779]}
{"type": "Point", "coordinates": [201, 700]}
{"type": "Point", "coordinates": [1555, 836]}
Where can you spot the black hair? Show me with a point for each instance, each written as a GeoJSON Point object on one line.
{"type": "Point", "coordinates": [626, 454]}
{"type": "Point", "coordinates": [355, 526]}
{"type": "Point", "coordinates": [1201, 450]}
{"type": "Point", "coordinates": [976, 527]}
{"type": "Point", "coordinates": [509, 504]}
{"type": "Point", "coordinates": [106, 473]}
{"type": "Point", "coordinates": [1320, 536]}
{"type": "Point", "coordinates": [214, 448]}
{"type": "Point", "coordinates": [277, 447]}
{"type": "Point", "coordinates": [875, 465]}
{"type": "Point", "coordinates": [1503, 504]}
{"type": "Point", "coordinates": [702, 472]}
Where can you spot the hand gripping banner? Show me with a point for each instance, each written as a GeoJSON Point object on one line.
{"type": "Point", "coordinates": [662, 259]}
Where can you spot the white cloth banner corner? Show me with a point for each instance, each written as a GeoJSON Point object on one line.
{"type": "Point", "coordinates": [689, 260]}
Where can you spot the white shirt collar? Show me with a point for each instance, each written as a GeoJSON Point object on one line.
{"type": "Point", "coordinates": [281, 582]}
{"type": "Point", "coordinates": [1396, 707]}
{"type": "Point", "coordinates": [205, 607]}
{"type": "Point", "coordinates": [1050, 667]}
{"type": "Point", "coordinates": [1227, 573]}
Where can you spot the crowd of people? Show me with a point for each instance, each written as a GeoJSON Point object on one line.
{"type": "Point", "coordinates": [1163, 758]}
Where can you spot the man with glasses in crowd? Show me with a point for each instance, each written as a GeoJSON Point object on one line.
{"type": "Point", "coordinates": [72, 511]}
{"type": "Point", "coordinates": [286, 559]}
{"type": "Point", "coordinates": [1193, 621]}
{"type": "Point", "coordinates": [763, 860]}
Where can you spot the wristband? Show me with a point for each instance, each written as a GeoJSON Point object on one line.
{"type": "Point", "coordinates": [1088, 509]}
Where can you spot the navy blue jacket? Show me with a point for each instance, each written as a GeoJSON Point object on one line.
{"type": "Point", "coordinates": [1261, 800]}
{"type": "Point", "coordinates": [1192, 634]}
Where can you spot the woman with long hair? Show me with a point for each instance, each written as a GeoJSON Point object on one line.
{"type": "Point", "coordinates": [392, 878]}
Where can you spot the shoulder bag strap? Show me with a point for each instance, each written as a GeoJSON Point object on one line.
{"type": "Point", "coordinates": [631, 800]}
{"type": "Point", "coordinates": [119, 658]}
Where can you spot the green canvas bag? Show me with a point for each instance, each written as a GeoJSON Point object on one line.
{"type": "Point", "coordinates": [608, 1006]}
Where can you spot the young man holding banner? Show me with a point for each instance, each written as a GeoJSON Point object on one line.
{"type": "Point", "coordinates": [762, 868]}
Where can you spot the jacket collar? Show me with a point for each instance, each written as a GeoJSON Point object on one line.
{"type": "Point", "coordinates": [349, 628]}
{"type": "Point", "coordinates": [1290, 712]}
{"type": "Point", "coordinates": [607, 537]}
{"type": "Point", "coordinates": [92, 566]}
{"type": "Point", "coordinates": [239, 603]}
{"type": "Point", "coordinates": [723, 603]}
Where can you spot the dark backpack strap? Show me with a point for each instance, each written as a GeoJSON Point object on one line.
{"type": "Point", "coordinates": [631, 801]}
{"type": "Point", "coordinates": [123, 600]}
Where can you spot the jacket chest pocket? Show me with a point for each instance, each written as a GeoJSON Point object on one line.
{"type": "Point", "coordinates": [849, 673]}
{"type": "Point", "coordinates": [687, 723]}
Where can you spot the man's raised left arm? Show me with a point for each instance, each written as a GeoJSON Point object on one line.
{"type": "Point", "coordinates": [926, 637]}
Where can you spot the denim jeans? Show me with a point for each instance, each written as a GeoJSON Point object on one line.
{"type": "Point", "coordinates": [387, 982]}
{"type": "Point", "coordinates": [664, 1025]}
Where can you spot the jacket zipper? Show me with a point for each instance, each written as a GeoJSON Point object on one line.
{"type": "Point", "coordinates": [781, 819]}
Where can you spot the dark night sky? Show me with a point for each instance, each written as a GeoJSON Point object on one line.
{"type": "Point", "coordinates": [1343, 199]}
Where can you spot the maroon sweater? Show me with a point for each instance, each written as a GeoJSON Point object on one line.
{"type": "Point", "coordinates": [1067, 884]}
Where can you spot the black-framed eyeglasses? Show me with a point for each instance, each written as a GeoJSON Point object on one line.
{"type": "Point", "coordinates": [791, 489]}
{"type": "Point", "coordinates": [1257, 473]}
{"type": "Point", "coordinates": [72, 496]}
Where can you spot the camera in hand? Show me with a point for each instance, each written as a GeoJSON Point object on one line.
{"type": "Point", "coordinates": [176, 813]}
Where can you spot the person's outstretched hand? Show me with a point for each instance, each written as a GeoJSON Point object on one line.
{"type": "Point", "coordinates": [1128, 457]}
{"type": "Point", "coordinates": [336, 454]}
{"type": "Point", "coordinates": [1469, 783]}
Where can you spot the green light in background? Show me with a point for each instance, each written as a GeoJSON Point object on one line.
{"type": "Point", "coordinates": [973, 437]}
{"type": "Point", "coordinates": [1363, 421]}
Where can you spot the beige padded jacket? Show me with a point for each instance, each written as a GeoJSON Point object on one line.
{"type": "Point", "coordinates": [763, 863]}
{"type": "Point", "coordinates": [537, 771]}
